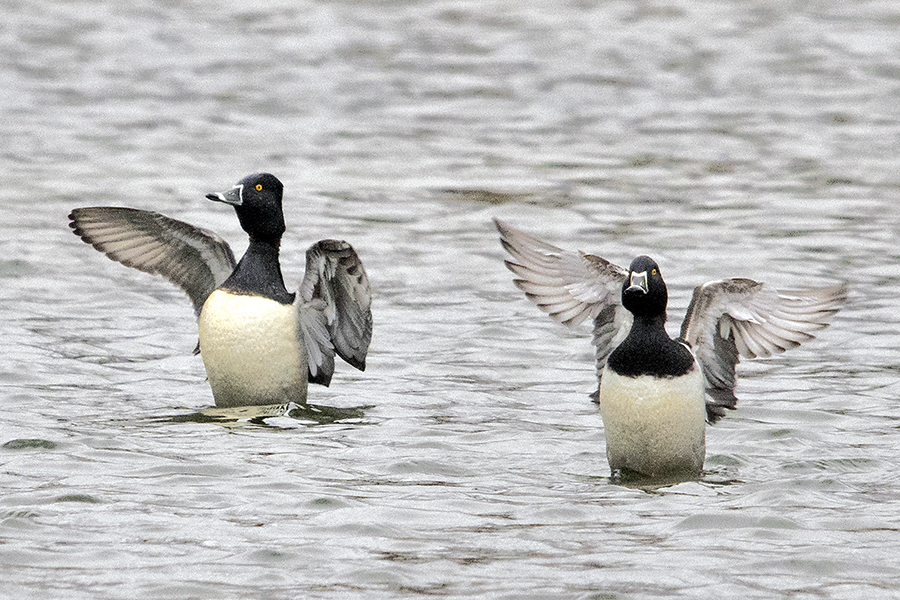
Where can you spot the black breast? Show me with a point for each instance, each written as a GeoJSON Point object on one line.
{"type": "Point", "coordinates": [259, 274]}
{"type": "Point", "coordinates": [650, 351]}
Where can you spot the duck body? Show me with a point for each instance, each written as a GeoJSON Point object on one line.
{"type": "Point", "coordinates": [651, 388]}
{"type": "Point", "coordinates": [657, 394]}
{"type": "Point", "coordinates": [260, 343]}
{"type": "Point", "coordinates": [249, 329]}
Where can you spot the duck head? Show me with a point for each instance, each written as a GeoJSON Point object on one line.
{"type": "Point", "coordinates": [644, 292]}
{"type": "Point", "coordinates": [257, 201]}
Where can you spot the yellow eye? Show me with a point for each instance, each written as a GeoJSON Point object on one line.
{"type": "Point", "coordinates": [653, 272]}
{"type": "Point", "coordinates": [258, 187]}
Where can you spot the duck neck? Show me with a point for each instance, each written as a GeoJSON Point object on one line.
{"type": "Point", "coordinates": [259, 272]}
{"type": "Point", "coordinates": [648, 332]}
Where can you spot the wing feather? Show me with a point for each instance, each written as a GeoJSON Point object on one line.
{"type": "Point", "coordinates": [196, 260]}
{"type": "Point", "coordinates": [335, 302]}
{"type": "Point", "coordinates": [735, 318]}
{"type": "Point", "coordinates": [570, 287]}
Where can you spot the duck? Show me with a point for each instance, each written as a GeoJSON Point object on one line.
{"type": "Point", "coordinates": [657, 394]}
{"type": "Point", "coordinates": [260, 344]}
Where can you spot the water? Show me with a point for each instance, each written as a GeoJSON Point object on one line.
{"type": "Point", "coordinates": [723, 138]}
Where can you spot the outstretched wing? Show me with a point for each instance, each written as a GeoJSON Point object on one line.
{"type": "Point", "coordinates": [736, 318]}
{"type": "Point", "coordinates": [196, 260]}
{"type": "Point", "coordinates": [570, 287]}
{"type": "Point", "coordinates": [335, 303]}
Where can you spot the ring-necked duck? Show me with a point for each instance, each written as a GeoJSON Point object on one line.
{"type": "Point", "coordinates": [260, 344]}
{"type": "Point", "coordinates": [656, 393]}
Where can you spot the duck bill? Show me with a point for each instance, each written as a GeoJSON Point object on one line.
{"type": "Point", "coordinates": [234, 196]}
{"type": "Point", "coordinates": [638, 283]}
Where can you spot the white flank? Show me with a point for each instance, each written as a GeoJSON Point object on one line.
{"type": "Point", "coordinates": [251, 350]}
{"type": "Point", "coordinates": [654, 426]}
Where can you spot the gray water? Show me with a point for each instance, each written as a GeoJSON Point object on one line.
{"type": "Point", "coordinates": [755, 139]}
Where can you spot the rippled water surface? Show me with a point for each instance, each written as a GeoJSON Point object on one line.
{"type": "Point", "coordinates": [754, 139]}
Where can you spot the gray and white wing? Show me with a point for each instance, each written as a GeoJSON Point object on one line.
{"type": "Point", "coordinates": [335, 303]}
{"type": "Point", "coordinates": [736, 318]}
{"type": "Point", "coordinates": [570, 287]}
{"type": "Point", "coordinates": [196, 260]}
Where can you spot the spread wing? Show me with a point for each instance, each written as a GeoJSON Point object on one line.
{"type": "Point", "coordinates": [335, 303]}
{"type": "Point", "coordinates": [196, 260]}
{"type": "Point", "coordinates": [736, 318]}
{"type": "Point", "coordinates": [570, 287]}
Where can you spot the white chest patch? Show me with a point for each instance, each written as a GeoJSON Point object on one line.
{"type": "Point", "coordinates": [654, 426]}
{"type": "Point", "coordinates": [251, 350]}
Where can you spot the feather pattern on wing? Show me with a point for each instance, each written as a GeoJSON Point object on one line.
{"type": "Point", "coordinates": [335, 304]}
{"type": "Point", "coordinates": [570, 287]}
{"type": "Point", "coordinates": [735, 318]}
{"type": "Point", "coordinates": [196, 260]}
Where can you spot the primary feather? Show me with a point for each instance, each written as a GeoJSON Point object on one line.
{"type": "Point", "coordinates": [196, 260]}
{"type": "Point", "coordinates": [735, 318]}
{"type": "Point", "coordinates": [570, 287]}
